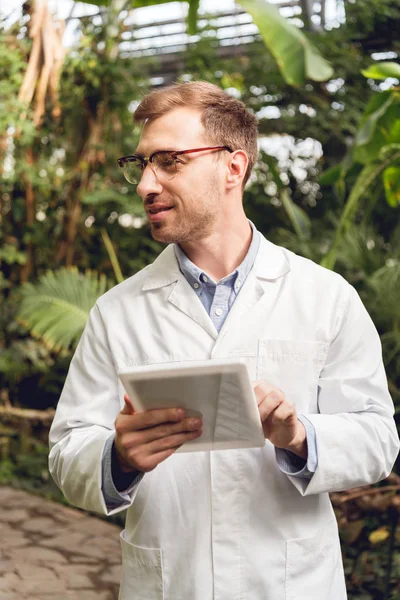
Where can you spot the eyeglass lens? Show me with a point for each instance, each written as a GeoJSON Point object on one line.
{"type": "Point", "coordinates": [163, 164]}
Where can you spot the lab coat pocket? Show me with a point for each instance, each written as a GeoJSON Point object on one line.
{"type": "Point", "coordinates": [294, 367]}
{"type": "Point", "coordinates": [142, 576]}
{"type": "Point", "coordinates": [313, 567]}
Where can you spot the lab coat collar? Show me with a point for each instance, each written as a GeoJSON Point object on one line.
{"type": "Point", "coordinates": [163, 271]}
{"type": "Point", "coordinates": [270, 264]}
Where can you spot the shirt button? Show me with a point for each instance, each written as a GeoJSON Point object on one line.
{"type": "Point", "coordinates": [218, 312]}
{"type": "Point", "coordinates": [196, 285]}
{"type": "Point", "coordinates": [205, 279]}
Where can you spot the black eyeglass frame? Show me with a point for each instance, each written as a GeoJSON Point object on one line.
{"type": "Point", "coordinates": [144, 160]}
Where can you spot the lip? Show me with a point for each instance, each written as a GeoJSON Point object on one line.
{"type": "Point", "coordinates": [161, 213]}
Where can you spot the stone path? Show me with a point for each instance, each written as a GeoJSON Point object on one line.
{"type": "Point", "coordinates": [49, 551]}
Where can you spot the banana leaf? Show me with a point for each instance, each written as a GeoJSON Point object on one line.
{"type": "Point", "coordinates": [297, 58]}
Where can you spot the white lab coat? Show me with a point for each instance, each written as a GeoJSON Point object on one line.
{"type": "Point", "coordinates": [229, 525]}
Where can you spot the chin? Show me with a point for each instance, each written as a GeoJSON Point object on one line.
{"type": "Point", "coordinates": [160, 233]}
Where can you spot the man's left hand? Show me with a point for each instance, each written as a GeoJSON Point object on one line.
{"type": "Point", "coordinates": [279, 418]}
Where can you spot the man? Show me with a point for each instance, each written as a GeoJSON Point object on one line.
{"type": "Point", "coordinates": [250, 524]}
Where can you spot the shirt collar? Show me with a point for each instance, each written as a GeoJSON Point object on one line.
{"type": "Point", "coordinates": [194, 275]}
{"type": "Point", "coordinates": [271, 263]}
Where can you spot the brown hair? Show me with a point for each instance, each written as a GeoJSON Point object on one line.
{"type": "Point", "coordinates": [226, 121]}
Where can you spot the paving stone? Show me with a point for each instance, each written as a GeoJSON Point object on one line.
{"type": "Point", "coordinates": [38, 524]}
{"type": "Point", "coordinates": [111, 575]}
{"type": "Point", "coordinates": [68, 571]}
{"type": "Point", "coordinates": [23, 500]}
{"type": "Point", "coordinates": [14, 540]}
{"type": "Point", "coordinates": [86, 595]}
{"type": "Point", "coordinates": [53, 552]}
{"type": "Point", "coordinates": [6, 493]}
{"type": "Point", "coordinates": [97, 527]}
{"type": "Point", "coordinates": [5, 530]}
{"type": "Point", "coordinates": [69, 514]}
{"type": "Point", "coordinates": [115, 559]}
{"type": "Point", "coordinates": [86, 560]}
{"type": "Point", "coordinates": [71, 542]}
{"type": "Point", "coordinates": [9, 582]}
{"type": "Point", "coordinates": [45, 555]}
{"type": "Point", "coordinates": [93, 551]}
{"type": "Point", "coordinates": [16, 515]}
{"type": "Point", "coordinates": [6, 565]}
{"type": "Point", "coordinates": [53, 586]}
{"type": "Point", "coordinates": [109, 544]}
{"type": "Point", "coordinates": [81, 582]}
{"type": "Point", "coordinates": [32, 572]}
{"type": "Point", "coordinates": [74, 595]}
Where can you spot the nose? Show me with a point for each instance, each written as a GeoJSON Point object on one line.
{"type": "Point", "coordinates": [148, 184]}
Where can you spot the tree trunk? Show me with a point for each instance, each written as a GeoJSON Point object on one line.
{"type": "Point", "coordinates": [30, 204]}
{"type": "Point", "coordinates": [306, 14]}
{"type": "Point", "coordinates": [323, 13]}
{"type": "Point", "coordinates": [72, 232]}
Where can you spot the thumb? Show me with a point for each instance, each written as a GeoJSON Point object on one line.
{"type": "Point", "coordinates": [128, 407]}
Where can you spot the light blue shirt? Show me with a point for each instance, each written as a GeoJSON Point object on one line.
{"type": "Point", "coordinates": [217, 298]}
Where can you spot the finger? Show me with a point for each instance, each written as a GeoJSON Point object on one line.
{"type": "Point", "coordinates": [128, 401]}
{"type": "Point", "coordinates": [172, 441]}
{"type": "Point", "coordinates": [152, 461]}
{"type": "Point", "coordinates": [151, 418]}
{"type": "Point", "coordinates": [283, 414]}
{"type": "Point", "coordinates": [148, 435]}
{"type": "Point", "coordinates": [263, 389]}
{"type": "Point", "coordinates": [128, 406]}
{"type": "Point", "coordinates": [268, 405]}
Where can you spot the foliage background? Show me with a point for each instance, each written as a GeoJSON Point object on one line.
{"type": "Point", "coordinates": [88, 219]}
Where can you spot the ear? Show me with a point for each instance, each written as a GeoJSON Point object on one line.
{"type": "Point", "coordinates": [236, 169]}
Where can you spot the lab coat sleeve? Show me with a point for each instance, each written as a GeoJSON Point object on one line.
{"type": "Point", "coordinates": [357, 440]}
{"type": "Point", "coordinates": [84, 420]}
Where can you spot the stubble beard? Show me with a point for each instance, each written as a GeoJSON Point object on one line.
{"type": "Point", "coordinates": [192, 227]}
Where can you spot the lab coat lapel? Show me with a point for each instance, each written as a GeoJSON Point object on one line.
{"type": "Point", "coordinates": [262, 283]}
{"type": "Point", "coordinates": [184, 298]}
{"type": "Point", "coordinates": [165, 271]}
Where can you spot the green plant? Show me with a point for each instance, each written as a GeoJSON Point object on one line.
{"type": "Point", "coordinates": [375, 155]}
{"type": "Point", "coordinates": [56, 308]}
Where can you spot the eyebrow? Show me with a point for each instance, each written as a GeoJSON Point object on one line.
{"type": "Point", "coordinates": [154, 152]}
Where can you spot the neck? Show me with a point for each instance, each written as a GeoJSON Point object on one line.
{"type": "Point", "coordinates": [222, 251]}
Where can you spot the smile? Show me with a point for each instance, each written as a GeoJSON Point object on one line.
{"type": "Point", "coordinates": [158, 214]}
{"type": "Point", "coordinates": [155, 211]}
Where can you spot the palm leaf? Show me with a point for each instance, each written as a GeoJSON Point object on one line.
{"type": "Point", "coordinates": [56, 308]}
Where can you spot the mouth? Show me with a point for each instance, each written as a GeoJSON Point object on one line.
{"type": "Point", "coordinates": [156, 211]}
{"type": "Point", "coordinates": [157, 214]}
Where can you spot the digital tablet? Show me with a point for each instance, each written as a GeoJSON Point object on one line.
{"type": "Point", "coordinates": [218, 391]}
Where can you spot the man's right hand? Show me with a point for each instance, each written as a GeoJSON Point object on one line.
{"type": "Point", "coordinates": [143, 440]}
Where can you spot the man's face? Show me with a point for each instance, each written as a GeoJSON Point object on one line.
{"type": "Point", "coordinates": [186, 208]}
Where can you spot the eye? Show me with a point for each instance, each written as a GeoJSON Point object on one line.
{"type": "Point", "coordinates": [164, 161]}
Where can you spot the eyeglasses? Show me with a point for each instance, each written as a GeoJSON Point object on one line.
{"type": "Point", "coordinates": [163, 163]}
